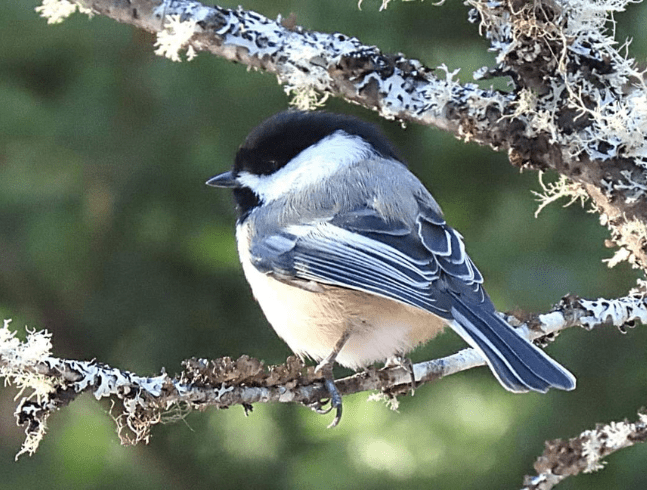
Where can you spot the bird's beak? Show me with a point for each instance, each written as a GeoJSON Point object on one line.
{"type": "Point", "coordinates": [223, 180]}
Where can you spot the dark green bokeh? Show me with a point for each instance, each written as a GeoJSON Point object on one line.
{"type": "Point", "coordinates": [110, 239]}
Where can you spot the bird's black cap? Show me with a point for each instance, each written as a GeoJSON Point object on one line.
{"type": "Point", "coordinates": [278, 139]}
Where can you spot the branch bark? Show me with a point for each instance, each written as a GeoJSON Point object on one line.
{"type": "Point", "coordinates": [584, 453]}
{"type": "Point", "coordinates": [145, 401]}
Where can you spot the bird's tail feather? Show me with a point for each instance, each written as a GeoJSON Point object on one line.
{"type": "Point", "coordinates": [517, 364]}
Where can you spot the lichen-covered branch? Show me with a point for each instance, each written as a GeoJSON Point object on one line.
{"type": "Point", "coordinates": [577, 105]}
{"type": "Point", "coordinates": [581, 106]}
{"type": "Point", "coordinates": [584, 453]}
{"type": "Point", "coordinates": [141, 402]}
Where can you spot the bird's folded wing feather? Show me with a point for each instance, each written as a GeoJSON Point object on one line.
{"type": "Point", "coordinates": [416, 265]}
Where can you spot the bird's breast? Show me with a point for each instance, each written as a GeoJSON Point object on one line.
{"type": "Point", "coordinates": [312, 320]}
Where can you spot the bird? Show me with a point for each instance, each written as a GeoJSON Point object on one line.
{"type": "Point", "coordinates": [350, 257]}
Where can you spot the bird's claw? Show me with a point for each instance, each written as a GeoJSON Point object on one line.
{"type": "Point", "coordinates": [335, 401]}
{"type": "Point", "coordinates": [317, 406]}
{"type": "Point", "coordinates": [324, 369]}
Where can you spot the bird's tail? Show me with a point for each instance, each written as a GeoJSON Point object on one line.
{"type": "Point", "coordinates": [517, 363]}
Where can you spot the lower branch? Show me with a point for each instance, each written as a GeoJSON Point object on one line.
{"type": "Point", "coordinates": [584, 453]}
{"type": "Point", "coordinates": [145, 401]}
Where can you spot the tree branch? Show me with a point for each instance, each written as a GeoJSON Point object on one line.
{"type": "Point", "coordinates": [577, 106]}
{"type": "Point", "coordinates": [584, 453]}
{"type": "Point", "coordinates": [145, 401]}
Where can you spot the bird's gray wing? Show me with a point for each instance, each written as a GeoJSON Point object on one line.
{"type": "Point", "coordinates": [361, 250]}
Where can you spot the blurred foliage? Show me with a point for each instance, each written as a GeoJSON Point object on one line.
{"type": "Point", "coordinates": [110, 239]}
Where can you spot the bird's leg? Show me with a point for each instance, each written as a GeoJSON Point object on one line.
{"type": "Point", "coordinates": [325, 369]}
{"type": "Point", "coordinates": [404, 363]}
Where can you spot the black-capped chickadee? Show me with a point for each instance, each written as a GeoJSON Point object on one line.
{"type": "Point", "coordinates": [350, 258]}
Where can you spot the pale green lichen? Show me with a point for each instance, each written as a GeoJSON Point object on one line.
{"type": "Point", "coordinates": [17, 360]}
{"type": "Point", "coordinates": [306, 98]}
{"type": "Point", "coordinates": [56, 11]}
{"type": "Point", "coordinates": [17, 357]}
{"type": "Point", "coordinates": [174, 37]}
{"type": "Point", "coordinates": [616, 105]}
{"type": "Point", "coordinates": [553, 191]}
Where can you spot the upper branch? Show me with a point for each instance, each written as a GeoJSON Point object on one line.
{"type": "Point", "coordinates": [335, 64]}
{"type": "Point", "coordinates": [576, 106]}
{"type": "Point", "coordinates": [581, 105]}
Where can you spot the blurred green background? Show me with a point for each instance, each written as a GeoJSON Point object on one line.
{"type": "Point", "coordinates": [110, 240]}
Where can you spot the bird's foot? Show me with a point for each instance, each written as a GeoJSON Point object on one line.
{"type": "Point", "coordinates": [325, 370]}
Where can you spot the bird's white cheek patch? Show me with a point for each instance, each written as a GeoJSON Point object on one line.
{"type": "Point", "coordinates": [312, 166]}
